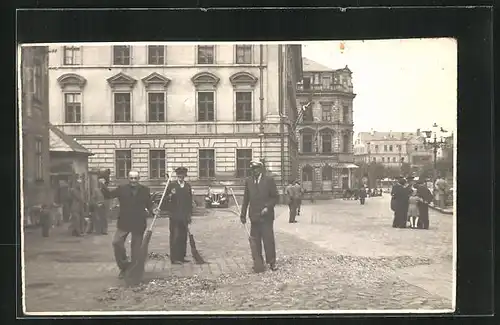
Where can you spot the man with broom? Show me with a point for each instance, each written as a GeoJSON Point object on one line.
{"type": "Point", "coordinates": [135, 204]}
{"type": "Point", "coordinates": [179, 203]}
{"type": "Point", "coordinates": [260, 197]}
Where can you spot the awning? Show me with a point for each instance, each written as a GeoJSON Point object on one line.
{"type": "Point", "coordinates": [347, 165]}
{"type": "Point", "coordinates": [61, 142]}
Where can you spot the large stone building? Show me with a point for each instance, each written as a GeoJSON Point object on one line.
{"type": "Point", "coordinates": [326, 160]}
{"type": "Point", "coordinates": [34, 113]}
{"type": "Point", "coordinates": [392, 149]}
{"type": "Point", "coordinates": [210, 108]}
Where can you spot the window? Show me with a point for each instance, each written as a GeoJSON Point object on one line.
{"type": "Point", "coordinates": [37, 79]}
{"type": "Point", "coordinates": [73, 107]}
{"type": "Point", "coordinates": [243, 158]}
{"type": "Point", "coordinates": [326, 113]}
{"type": "Point", "coordinates": [346, 143]}
{"type": "Point", "coordinates": [374, 159]}
{"type": "Point", "coordinates": [122, 107]}
{"type": "Point", "coordinates": [383, 159]}
{"type": "Point", "coordinates": [326, 139]}
{"type": "Point", "coordinates": [157, 164]}
{"type": "Point", "coordinates": [399, 147]}
{"type": "Point", "coordinates": [206, 54]}
{"type": "Point", "coordinates": [121, 55]}
{"type": "Point", "coordinates": [326, 83]}
{"type": "Point", "coordinates": [416, 148]}
{"type": "Point", "coordinates": [385, 147]}
{"type": "Point", "coordinates": [206, 163]}
{"type": "Point", "coordinates": [72, 55]}
{"type": "Point", "coordinates": [156, 107]}
{"type": "Point", "coordinates": [327, 173]}
{"type": "Point", "coordinates": [390, 148]}
{"type": "Point", "coordinates": [376, 147]}
{"type": "Point", "coordinates": [345, 114]}
{"type": "Point", "coordinates": [307, 142]}
{"type": "Point", "coordinates": [244, 54]}
{"type": "Point", "coordinates": [39, 160]}
{"type": "Point", "coordinates": [206, 106]}
{"type": "Point", "coordinates": [307, 83]}
{"type": "Point", "coordinates": [156, 54]}
{"type": "Point", "coordinates": [394, 159]}
{"type": "Point", "coordinates": [123, 163]}
{"type": "Point", "coordinates": [307, 174]}
{"type": "Point", "coordinates": [243, 106]}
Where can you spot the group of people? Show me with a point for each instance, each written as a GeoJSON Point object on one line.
{"type": "Point", "coordinates": [410, 203]}
{"type": "Point", "coordinates": [259, 199]}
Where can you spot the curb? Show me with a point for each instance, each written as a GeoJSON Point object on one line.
{"type": "Point", "coordinates": [441, 210]}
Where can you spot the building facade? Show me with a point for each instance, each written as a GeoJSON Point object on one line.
{"type": "Point", "coordinates": [392, 149]}
{"type": "Point", "coordinates": [152, 108]}
{"type": "Point", "coordinates": [34, 115]}
{"type": "Point", "coordinates": [326, 159]}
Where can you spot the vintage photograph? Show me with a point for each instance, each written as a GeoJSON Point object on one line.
{"type": "Point", "coordinates": [237, 177]}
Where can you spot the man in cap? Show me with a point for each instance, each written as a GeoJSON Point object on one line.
{"type": "Point", "coordinates": [179, 204]}
{"type": "Point", "coordinates": [135, 203]}
{"type": "Point", "coordinates": [260, 197]}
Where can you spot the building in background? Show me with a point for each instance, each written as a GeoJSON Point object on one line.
{"type": "Point", "coordinates": [34, 115]}
{"type": "Point", "coordinates": [326, 159]}
{"type": "Point", "coordinates": [210, 108]}
{"type": "Point", "coordinates": [392, 150]}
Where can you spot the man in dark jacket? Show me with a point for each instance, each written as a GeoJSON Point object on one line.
{"type": "Point", "coordinates": [179, 204]}
{"type": "Point", "coordinates": [260, 197]}
{"type": "Point", "coordinates": [135, 204]}
{"type": "Point", "coordinates": [425, 194]}
{"type": "Point", "coordinates": [399, 203]}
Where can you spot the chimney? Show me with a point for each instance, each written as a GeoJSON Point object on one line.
{"type": "Point", "coordinates": [372, 132]}
{"type": "Point", "coordinates": [418, 132]}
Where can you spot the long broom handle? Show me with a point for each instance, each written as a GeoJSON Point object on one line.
{"type": "Point", "coordinates": [159, 205]}
{"type": "Point", "coordinates": [239, 209]}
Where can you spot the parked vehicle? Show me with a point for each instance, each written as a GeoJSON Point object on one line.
{"type": "Point", "coordinates": [217, 196]}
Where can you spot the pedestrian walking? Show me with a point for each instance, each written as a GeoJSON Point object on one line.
{"type": "Point", "coordinates": [362, 195]}
{"type": "Point", "coordinates": [293, 194]}
{"type": "Point", "coordinates": [260, 197]}
{"type": "Point", "coordinates": [413, 211]}
{"type": "Point", "coordinates": [300, 191]}
{"type": "Point", "coordinates": [399, 203]}
{"type": "Point", "coordinates": [179, 204]}
{"type": "Point", "coordinates": [135, 204]}
{"type": "Point", "coordinates": [423, 206]}
{"type": "Point", "coordinates": [77, 207]}
{"type": "Point", "coordinates": [100, 209]}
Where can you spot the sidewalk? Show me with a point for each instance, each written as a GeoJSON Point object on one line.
{"type": "Point", "coordinates": [447, 210]}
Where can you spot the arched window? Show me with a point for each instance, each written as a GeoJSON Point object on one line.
{"type": "Point", "coordinates": [307, 174]}
{"type": "Point", "coordinates": [327, 173]}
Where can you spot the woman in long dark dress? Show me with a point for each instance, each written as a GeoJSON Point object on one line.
{"type": "Point", "coordinates": [425, 194]}
{"type": "Point", "coordinates": [400, 194]}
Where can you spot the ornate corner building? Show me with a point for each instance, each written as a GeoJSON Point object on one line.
{"type": "Point", "coordinates": [210, 108]}
{"type": "Point", "coordinates": [326, 158]}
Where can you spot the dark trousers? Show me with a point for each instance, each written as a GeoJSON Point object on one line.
{"type": "Point", "coordinates": [178, 240]}
{"type": "Point", "coordinates": [263, 232]}
{"type": "Point", "coordinates": [292, 206]}
{"type": "Point", "coordinates": [423, 221]}
{"type": "Point", "coordinates": [119, 247]}
{"type": "Point", "coordinates": [299, 203]}
{"type": "Point", "coordinates": [362, 200]}
{"type": "Point", "coordinates": [66, 211]}
{"type": "Point", "coordinates": [101, 219]}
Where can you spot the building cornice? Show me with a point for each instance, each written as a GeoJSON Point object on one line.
{"type": "Point", "coordinates": [154, 66]}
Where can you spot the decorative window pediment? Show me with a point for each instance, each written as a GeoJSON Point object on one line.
{"type": "Point", "coordinates": [121, 79]}
{"type": "Point", "coordinates": [71, 79]}
{"type": "Point", "coordinates": [205, 78]}
{"type": "Point", "coordinates": [307, 130]}
{"type": "Point", "coordinates": [326, 130]}
{"type": "Point", "coordinates": [155, 79]}
{"type": "Point", "coordinates": [243, 78]}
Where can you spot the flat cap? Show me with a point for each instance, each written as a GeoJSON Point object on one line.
{"type": "Point", "coordinates": [181, 170]}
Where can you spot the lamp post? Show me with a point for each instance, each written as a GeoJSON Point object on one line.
{"type": "Point", "coordinates": [434, 141]}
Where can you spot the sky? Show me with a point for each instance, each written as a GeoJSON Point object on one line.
{"type": "Point", "coordinates": [400, 85]}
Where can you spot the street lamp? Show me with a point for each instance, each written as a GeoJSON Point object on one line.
{"type": "Point", "coordinates": [435, 141]}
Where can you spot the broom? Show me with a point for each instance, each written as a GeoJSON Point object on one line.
{"type": "Point", "coordinates": [135, 272]}
{"type": "Point", "coordinates": [258, 264]}
{"type": "Point", "coordinates": [194, 252]}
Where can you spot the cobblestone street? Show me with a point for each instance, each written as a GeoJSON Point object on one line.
{"type": "Point", "coordinates": [340, 255]}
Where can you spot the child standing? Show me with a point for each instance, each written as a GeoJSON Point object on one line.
{"type": "Point", "coordinates": [413, 212]}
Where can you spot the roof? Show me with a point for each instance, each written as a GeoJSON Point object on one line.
{"type": "Point", "coordinates": [61, 142]}
{"type": "Point", "coordinates": [310, 65]}
{"type": "Point", "coordinates": [376, 136]}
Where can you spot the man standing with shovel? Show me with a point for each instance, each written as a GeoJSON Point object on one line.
{"type": "Point", "coordinates": [260, 197]}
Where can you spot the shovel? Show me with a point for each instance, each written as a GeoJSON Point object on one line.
{"type": "Point", "coordinates": [258, 264]}
{"type": "Point", "coordinates": [135, 272]}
